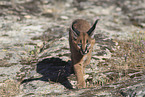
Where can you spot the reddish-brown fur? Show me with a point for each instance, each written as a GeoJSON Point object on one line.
{"type": "Point", "coordinates": [81, 45]}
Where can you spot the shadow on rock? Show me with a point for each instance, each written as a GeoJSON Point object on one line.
{"type": "Point", "coordinates": [54, 69]}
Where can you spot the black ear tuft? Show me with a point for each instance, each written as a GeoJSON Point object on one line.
{"type": "Point", "coordinates": [75, 31]}
{"type": "Point", "coordinates": [91, 30]}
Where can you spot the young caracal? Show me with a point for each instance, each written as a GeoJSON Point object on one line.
{"type": "Point", "coordinates": [81, 40]}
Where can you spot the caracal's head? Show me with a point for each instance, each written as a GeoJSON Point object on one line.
{"type": "Point", "coordinates": [83, 35]}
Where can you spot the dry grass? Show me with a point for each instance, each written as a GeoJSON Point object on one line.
{"type": "Point", "coordinates": [9, 88]}
{"type": "Point", "coordinates": [130, 54]}
{"type": "Point", "coordinates": [127, 60]}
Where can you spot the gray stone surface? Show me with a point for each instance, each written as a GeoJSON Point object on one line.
{"type": "Point", "coordinates": [38, 29]}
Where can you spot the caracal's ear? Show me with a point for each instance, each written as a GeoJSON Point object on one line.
{"type": "Point", "coordinates": [75, 32]}
{"type": "Point", "coordinates": [92, 29]}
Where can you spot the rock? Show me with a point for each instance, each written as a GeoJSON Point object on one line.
{"type": "Point", "coordinates": [37, 31]}
{"type": "Point", "coordinates": [9, 72]}
{"type": "Point", "coordinates": [64, 17]}
{"type": "Point", "coordinates": [41, 87]}
{"type": "Point", "coordinates": [135, 11]}
{"type": "Point", "coordinates": [27, 16]}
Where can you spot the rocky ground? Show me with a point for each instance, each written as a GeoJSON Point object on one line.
{"type": "Point", "coordinates": [34, 49]}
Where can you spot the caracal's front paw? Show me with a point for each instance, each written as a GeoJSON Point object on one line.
{"type": "Point", "coordinates": [81, 85]}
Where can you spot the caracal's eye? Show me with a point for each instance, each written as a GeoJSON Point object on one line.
{"type": "Point", "coordinates": [88, 45]}
{"type": "Point", "coordinates": [79, 45]}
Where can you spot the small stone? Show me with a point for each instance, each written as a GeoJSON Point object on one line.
{"type": "Point", "coordinates": [118, 9]}
{"type": "Point", "coordinates": [49, 11]}
{"type": "Point", "coordinates": [27, 16]}
{"type": "Point", "coordinates": [64, 17]}
{"type": "Point", "coordinates": [86, 76]}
